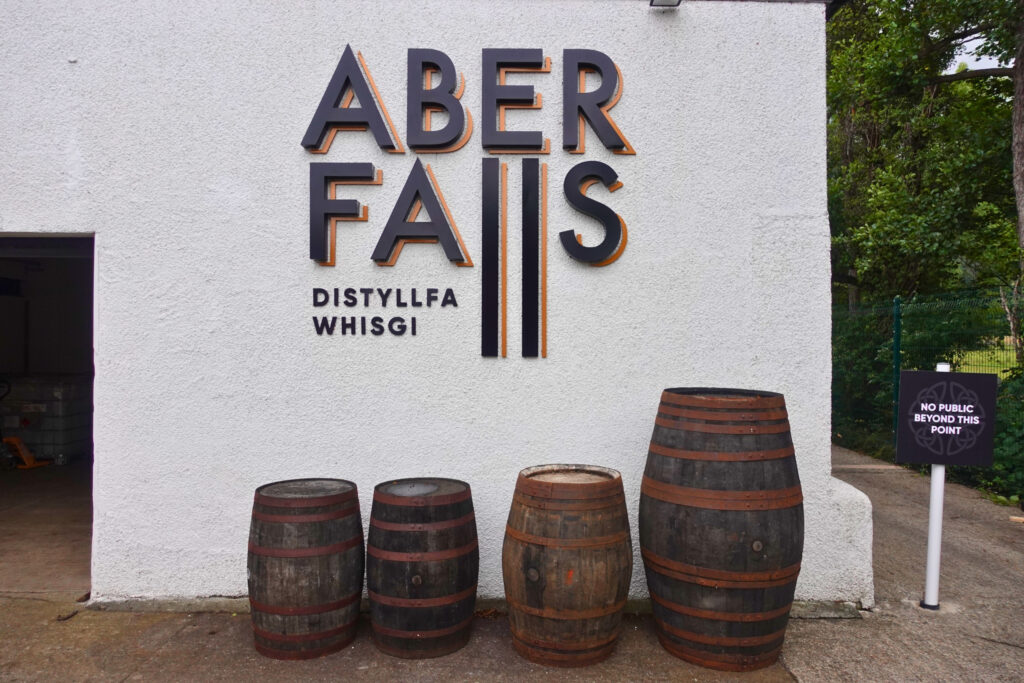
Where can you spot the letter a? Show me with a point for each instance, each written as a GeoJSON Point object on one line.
{"type": "Point", "coordinates": [351, 80]}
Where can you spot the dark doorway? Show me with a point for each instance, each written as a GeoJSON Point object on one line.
{"type": "Point", "coordinates": [46, 411]}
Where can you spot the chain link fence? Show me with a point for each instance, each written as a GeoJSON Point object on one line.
{"type": "Point", "coordinates": [871, 344]}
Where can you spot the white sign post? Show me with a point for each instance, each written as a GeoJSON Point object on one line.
{"type": "Point", "coordinates": [931, 581]}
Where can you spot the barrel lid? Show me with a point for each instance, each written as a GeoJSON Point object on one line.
{"type": "Point", "coordinates": [421, 491]}
{"type": "Point", "coordinates": [722, 398]}
{"type": "Point", "coordinates": [569, 481]}
{"type": "Point", "coordinates": [570, 474]}
{"type": "Point", "coordinates": [305, 488]}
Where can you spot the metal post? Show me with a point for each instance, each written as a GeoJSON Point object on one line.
{"type": "Point", "coordinates": [931, 581]}
{"type": "Point", "coordinates": [897, 334]}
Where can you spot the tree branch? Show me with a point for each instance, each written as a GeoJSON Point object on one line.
{"type": "Point", "coordinates": [833, 7]}
{"type": "Point", "coordinates": [973, 73]}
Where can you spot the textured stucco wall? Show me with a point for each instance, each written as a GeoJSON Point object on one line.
{"type": "Point", "coordinates": [172, 132]}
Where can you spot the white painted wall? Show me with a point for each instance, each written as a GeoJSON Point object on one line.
{"type": "Point", "coordinates": [172, 131]}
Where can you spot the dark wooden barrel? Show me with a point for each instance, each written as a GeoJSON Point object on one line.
{"type": "Point", "coordinates": [422, 563]}
{"type": "Point", "coordinates": [721, 526]}
{"type": "Point", "coordinates": [567, 562]}
{"type": "Point", "coordinates": [305, 567]}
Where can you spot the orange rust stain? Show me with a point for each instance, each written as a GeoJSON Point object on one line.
{"type": "Point", "coordinates": [568, 579]}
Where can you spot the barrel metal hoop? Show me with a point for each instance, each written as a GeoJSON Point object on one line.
{"type": "Point", "coordinates": [303, 654]}
{"type": "Point", "coordinates": [723, 401]}
{"type": "Point", "coordinates": [422, 501]}
{"type": "Point", "coordinates": [418, 653]}
{"type": "Point", "coordinates": [566, 614]}
{"type": "Point", "coordinates": [422, 602]}
{"type": "Point", "coordinates": [714, 499]}
{"type": "Point", "coordinates": [425, 526]}
{"type": "Point", "coordinates": [720, 456]}
{"type": "Point", "coordinates": [712, 415]}
{"type": "Point", "coordinates": [274, 502]}
{"type": "Point", "coordinates": [436, 633]}
{"type": "Point", "coordinates": [742, 617]}
{"type": "Point", "coordinates": [301, 611]}
{"type": "Point", "coordinates": [725, 662]}
{"type": "Point", "coordinates": [305, 637]}
{"type": "Point", "coordinates": [724, 641]}
{"type": "Point", "coordinates": [557, 505]}
{"type": "Point", "coordinates": [704, 572]}
{"type": "Point", "coordinates": [706, 428]}
{"type": "Point", "coordinates": [719, 583]}
{"type": "Point", "coordinates": [307, 552]}
{"type": "Point", "coordinates": [548, 658]}
{"type": "Point", "coordinates": [568, 543]}
{"type": "Point", "coordinates": [554, 645]}
{"type": "Point", "coordinates": [300, 519]}
{"type": "Point", "coordinates": [421, 557]}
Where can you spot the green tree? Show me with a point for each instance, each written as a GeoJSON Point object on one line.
{"type": "Point", "coordinates": [926, 168]}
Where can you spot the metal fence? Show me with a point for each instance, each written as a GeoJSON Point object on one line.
{"type": "Point", "coordinates": [871, 344]}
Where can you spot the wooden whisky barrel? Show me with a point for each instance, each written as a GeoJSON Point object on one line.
{"type": "Point", "coordinates": [421, 566]}
{"type": "Point", "coordinates": [305, 567]}
{"type": "Point", "coordinates": [567, 561]}
{"type": "Point", "coordinates": [721, 526]}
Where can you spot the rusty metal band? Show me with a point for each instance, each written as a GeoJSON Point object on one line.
{"type": "Point", "coordinates": [719, 583]}
{"type": "Point", "coordinates": [723, 401]}
{"type": "Point", "coordinates": [704, 572]}
{"type": "Point", "coordinates": [421, 501]}
{"type": "Point", "coordinates": [562, 658]}
{"type": "Point", "coordinates": [713, 499]}
{"type": "Point", "coordinates": [721, 456]}
{"type": "Point", "coordinates": [422, 602]}
{"type": "Point", "coordinates": [307, 552]}
{"type": "Point", "coordinates": [724, 662]}
{"type": "Point", "coordinates": [305, 637]}
{"type": "Point", "coordinates": [303, 654]}
{"type": "Point", "coordinates": [722, 641]}
{"type": "Point", "coordinates": [541, 504]}
{"type": "Point", "coordinates": [419, 653]}
{"type": "Point", "coordinates": [532, 641]}
{"type": "Point", "coordinates": [559, 490]}
{"type": "Point", "coordinates": [566, 614]}
{"type": "Point", "coordinates": [432, 556]}
{"type": "Point", "coordinates": [271, 501]}
{"type": "Point", "coordinates": [300, 611]}
{"type": "Point", "coordinates": [425, 526]}
{"type": "Point", "coordinates": [706, 428]}
{"type": "Point", "coordinates": [723, 416]}
{"type": "Point", "coordinates": [742, 617]}
{"type": "Point", "coordinates": [436, 633]}
{"type": "Point", "coordinates": [299, 519]}
{"type": "Point", "coordinates": [568, 543]}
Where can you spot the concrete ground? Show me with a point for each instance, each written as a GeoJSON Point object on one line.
{"type": "Point", "coordinates": [978, 635]}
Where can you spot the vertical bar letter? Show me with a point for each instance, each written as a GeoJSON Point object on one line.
{"type": "Point", "coordinates": [531, 257]}
{"type": "Point", "coordinates": [491, 211]}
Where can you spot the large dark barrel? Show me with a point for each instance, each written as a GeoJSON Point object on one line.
{"type": "Point", "coordinates": [567, 561]}
{"type": "Point", "coordinates": [421, 566]}
{"type": "Point", "coordinates": [305, 567]}
{"type": "Point", "coordinates": [721, 526]}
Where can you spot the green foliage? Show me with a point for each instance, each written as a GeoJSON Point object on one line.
{"type": "Point", "coordinates": [920, 171]}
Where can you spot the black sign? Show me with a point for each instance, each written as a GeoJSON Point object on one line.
{"type": "Point", "coordinates": [946, 418]}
